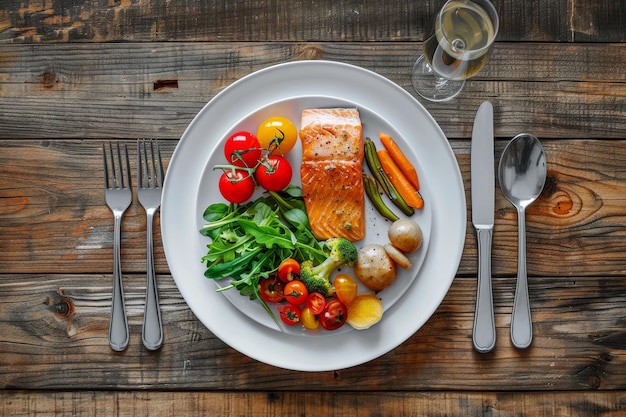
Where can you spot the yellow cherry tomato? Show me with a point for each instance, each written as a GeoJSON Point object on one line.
{"type": "Point", "coordinates": [345, 288]}
{"type": "Point", "coordinates": [278, 134]}
{"type": "Point", "coordinates": [308, 319]}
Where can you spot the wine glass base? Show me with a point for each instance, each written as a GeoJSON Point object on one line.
{"type": "Point", "coordinates": [430, 85]}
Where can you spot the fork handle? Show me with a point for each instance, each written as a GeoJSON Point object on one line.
{"type": "Point", "coordinates": [152, 331]}
{"type": "Point", "coordinates": [118, 328]}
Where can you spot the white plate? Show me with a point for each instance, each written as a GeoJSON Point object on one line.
{"type": "Point", "coordinates": [376, 225]}
{"type": "Point", "coordinates": [184, 246]}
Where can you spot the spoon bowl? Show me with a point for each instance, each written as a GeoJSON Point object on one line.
{"type": "Point", "coordinates": [522, 176]}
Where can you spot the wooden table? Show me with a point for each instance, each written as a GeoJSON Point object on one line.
{"type": "Point", "coordinates": [76, 74]}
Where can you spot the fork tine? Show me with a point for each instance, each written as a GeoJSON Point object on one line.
{"type": "Point", "coordinates": [161, 172]}
{"type": "Point", "coordinates": [148, 155]}
{"type": "Point", "coordinates": [120, 168]}
{"type": "Point", "coordinates": [143, 165]}
{"type": "Point", "coordinates": [140, 168]}
{"type": "Point", "coordinates": [106, 166]}
{"type": "Point", "coordinates": [128, 177]}
{"type": "Point", "coordinates": [152, 177]}
{"type": "Point", "coordinates": [116, 175]}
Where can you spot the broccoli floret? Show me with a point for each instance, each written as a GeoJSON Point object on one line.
{"type": "Point", "coordinates": [317, 278]}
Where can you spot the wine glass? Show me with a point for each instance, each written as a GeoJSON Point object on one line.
{"type": "Point", "coordinates": [455, 49]}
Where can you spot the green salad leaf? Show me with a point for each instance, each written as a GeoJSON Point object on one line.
{"type": "Point", "coordinates": [249, 241]}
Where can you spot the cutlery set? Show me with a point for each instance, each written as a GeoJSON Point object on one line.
{"type": "Point", "coordinates": [118, 196]}
{"type": "Point", "coordinates": [522, 174]}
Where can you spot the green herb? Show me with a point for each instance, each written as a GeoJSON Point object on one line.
{"type": "Point", "coordinates": [248, 242]}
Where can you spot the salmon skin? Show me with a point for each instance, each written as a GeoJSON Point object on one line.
{"type": "Point", "coordinates": [331, 172]}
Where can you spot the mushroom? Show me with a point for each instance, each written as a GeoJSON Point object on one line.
{"type": "Point", "coordinates": [405, 235]}
{"type": "Point", "coordinates": [374, 268]}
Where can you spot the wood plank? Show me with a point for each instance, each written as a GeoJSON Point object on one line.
{"type": "Point", "coordinates": [54, 218]}
{"type": "Point", "coordinates": [394, 20]}
{"type": "Point", "coordinates": [333, 404]}
{"type": "Point", "coordinates": [54, 331]}
{"type": "Point", "coordinates": [155, 89]}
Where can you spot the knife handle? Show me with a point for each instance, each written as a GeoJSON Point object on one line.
{"type": "Point", "coordinates": [484, 335]}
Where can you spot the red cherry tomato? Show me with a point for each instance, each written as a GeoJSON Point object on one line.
{"type": "Point", "coordinates": [271, 290]}
{"type": "Point", "coordinates": [316, 303]}
{"type": "Point", "coordinates": [274, 173]}
{"type": "Point", "coordinates": [236, 186]}
{"type": "Point", "coordinates": [296, 292]}
{"type": "Point", "coordinates": [290, 314]}
{"type": "Point", "coordinates": [288, 270]}
{"type": "Point", "coordinates": [334, 315]}
{"type": "Point", "coordinates": [242, 149]}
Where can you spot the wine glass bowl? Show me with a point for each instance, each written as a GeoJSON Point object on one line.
{"type": "Point", "coordinates": [455, 48]}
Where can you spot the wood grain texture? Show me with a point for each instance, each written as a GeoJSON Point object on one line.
{"type": "Point", "coordinates": [154, 90]}
{"type": "Point", "coordinates": [74, 74]}
{"type": "Point", "coordinates": [54, 336]}
{"type": "Point", "coordinates": [34, 21]}
{"type": "Point", "coordinates": [334, 404]}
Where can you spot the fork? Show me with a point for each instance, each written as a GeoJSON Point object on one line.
{"type": "Point", "coordinates": [149, 187]}
{"type": "Point", "coordinates": [118, 196]}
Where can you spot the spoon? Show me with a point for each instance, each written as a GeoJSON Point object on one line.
{"type": "Point", "coordinates": [522, 175]}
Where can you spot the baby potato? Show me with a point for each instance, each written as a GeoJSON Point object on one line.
{"type": "Point", "coordinates": [374, 268]}
{"type": "Point", "coordinates": [405, 235]}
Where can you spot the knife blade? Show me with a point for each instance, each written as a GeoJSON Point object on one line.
{"type": "Point", "coordinates": [483, 197]}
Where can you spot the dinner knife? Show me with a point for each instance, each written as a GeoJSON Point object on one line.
{"type": "Point", "coordinates": [483, 186]}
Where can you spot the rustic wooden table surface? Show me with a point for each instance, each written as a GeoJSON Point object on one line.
{"type": "Point", "coordinates": [76, 73]}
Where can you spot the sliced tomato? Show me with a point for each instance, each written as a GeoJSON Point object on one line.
{"type": "Point", "coordinates": [316, 302]}
{"type": "Point", "coordinates": [334, 315]}
{"type": "Point", "coordinates": [290, 314]}
{"type": "Point", "coordinates": [309, 319]}
{"type": "Point", "coordinates": [296, 292]}
{"type": "Point", "coordinates": [271, 290]}
{"type": "Point", "coordinates": [274, 173]}
{"type": "Point", "coordinates": [288, 270]}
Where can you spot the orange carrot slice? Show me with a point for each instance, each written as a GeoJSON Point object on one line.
{"type": "Point", "coordinates": [399, 180]}
{"type": "Point", "coordinates": [400, 159]}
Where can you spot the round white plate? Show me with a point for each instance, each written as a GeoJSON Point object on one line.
{"type": "Point", "coordinates": [376, 225]}
{"type": "Point", "coordinates": [184, 246]}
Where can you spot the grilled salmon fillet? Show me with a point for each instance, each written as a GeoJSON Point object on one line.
{"type": "Point", "coordinates": [331, 134]}
{"type": "Point", "coordinates": [331, 172]}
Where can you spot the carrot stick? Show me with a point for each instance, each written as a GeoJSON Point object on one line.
{"type": "Point", "coordinates": [400, 159]}
{"type": "Point", "coordinates": [399, 180]}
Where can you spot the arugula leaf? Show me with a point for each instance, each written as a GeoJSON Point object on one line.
{"type": "Point", "coordinates": [274, 234]}
{"type": "Point", "coordinates": [233, 268]}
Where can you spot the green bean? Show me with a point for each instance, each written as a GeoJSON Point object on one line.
{"type": "Point", "coordinates": [371, 158]}
{"type": "Point", "coordinates": [371, 189]}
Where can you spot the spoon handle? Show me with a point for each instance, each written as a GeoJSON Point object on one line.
{"type": "Point", "coordinates": [484, 335]}
{"type": "Point", "coordinates": [521, 322]}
